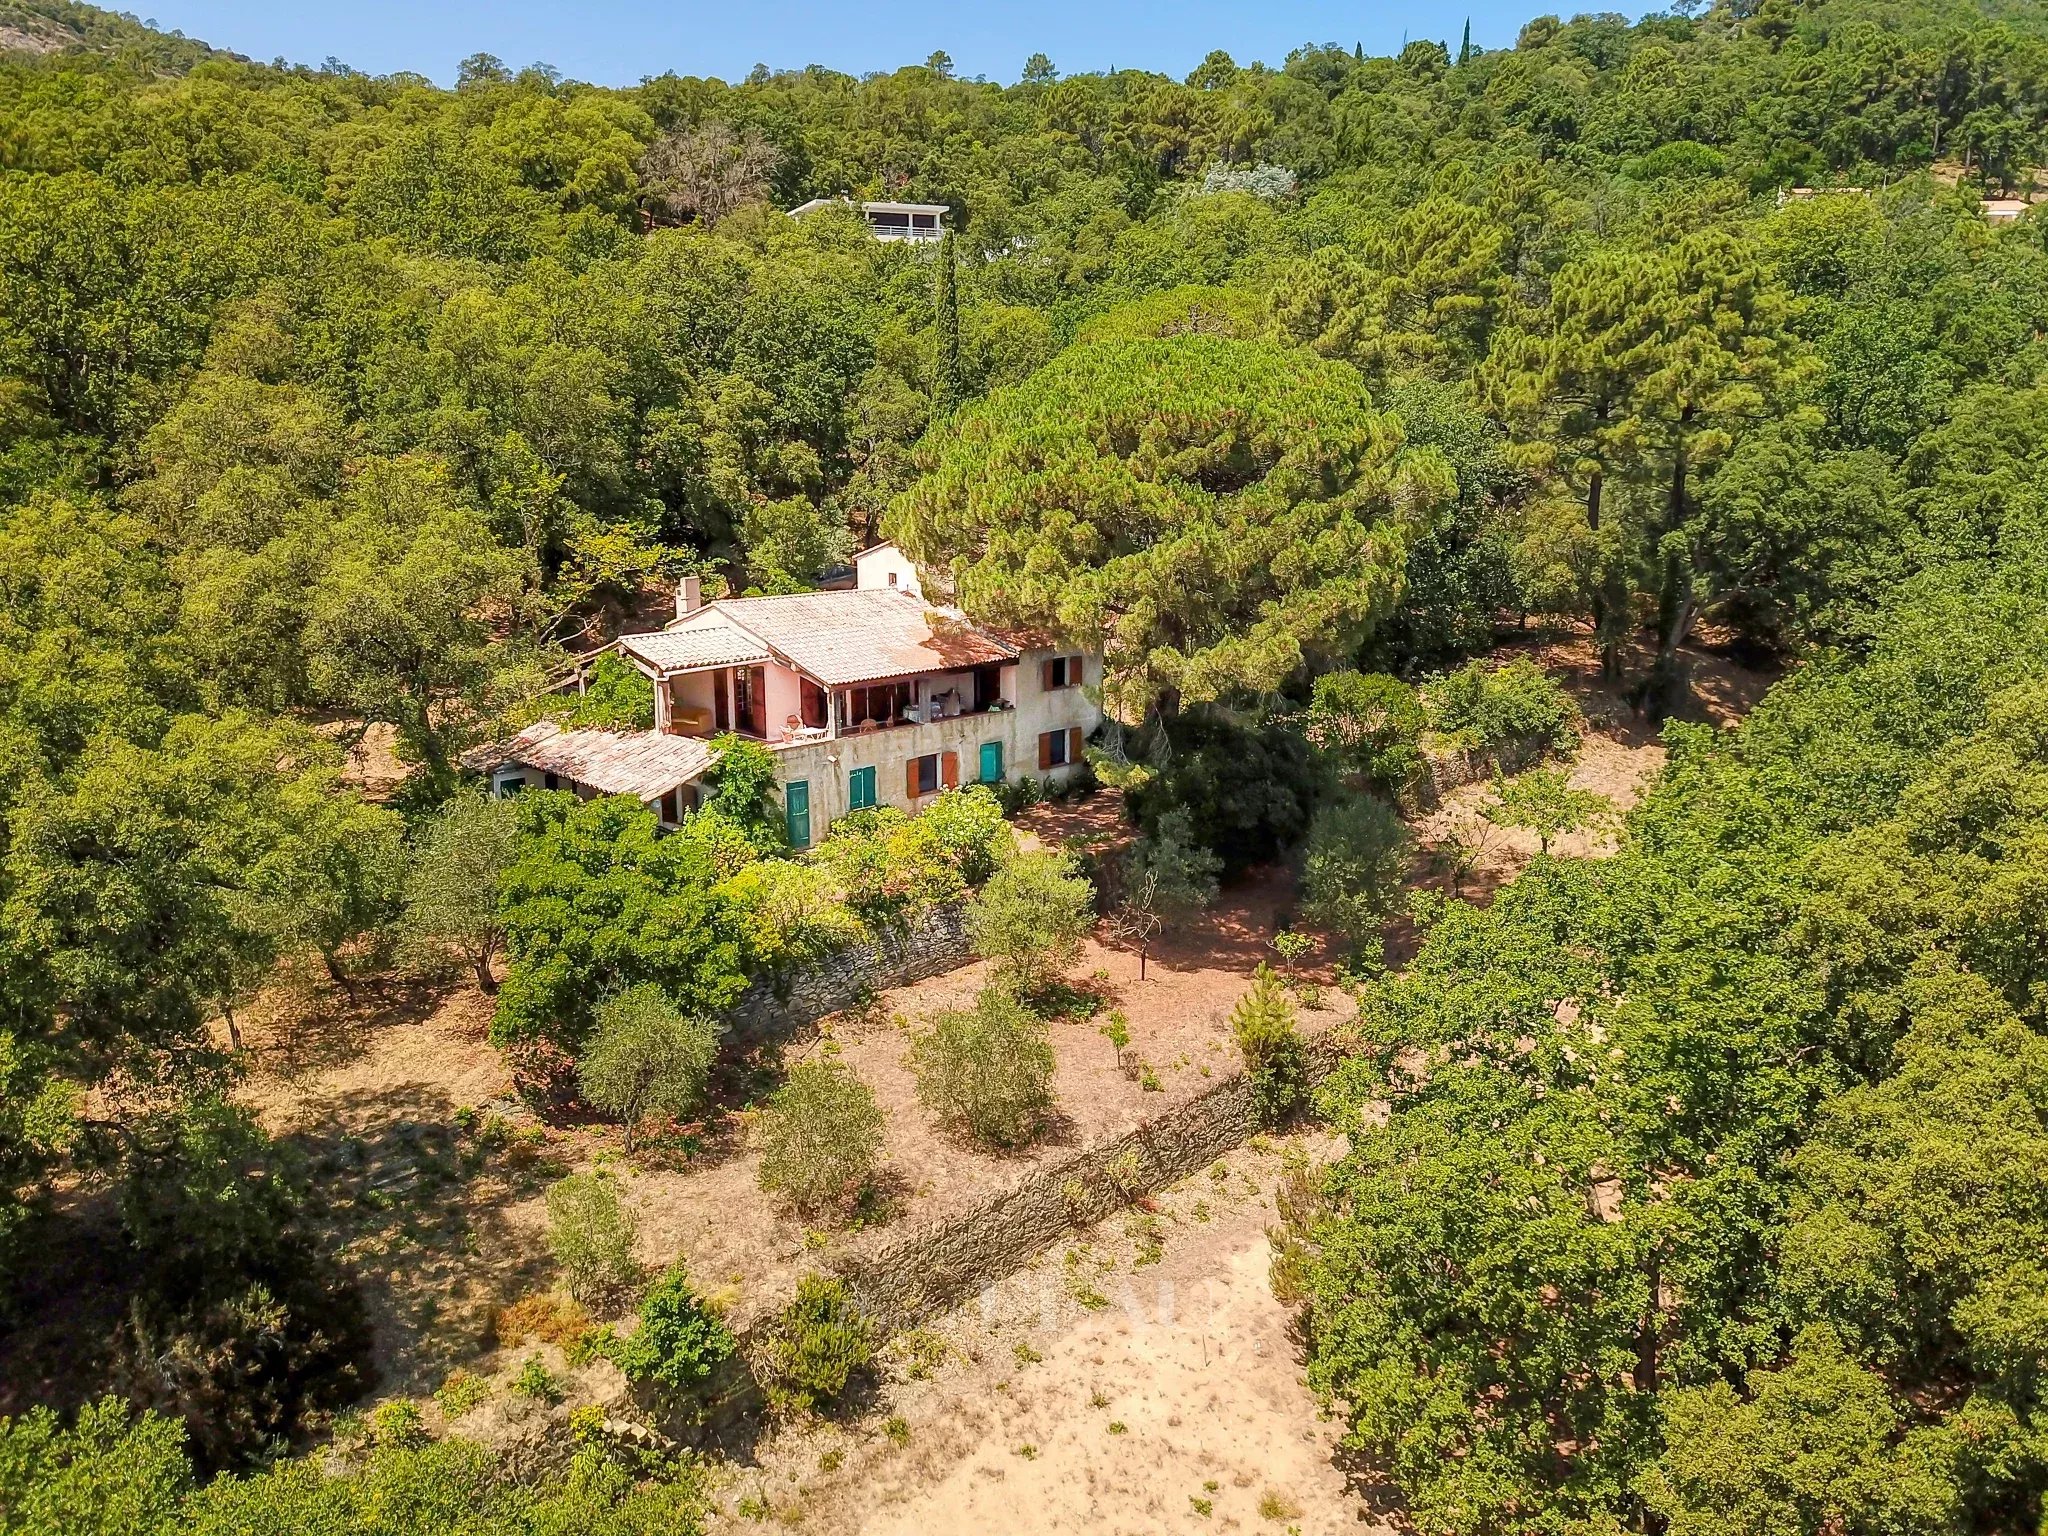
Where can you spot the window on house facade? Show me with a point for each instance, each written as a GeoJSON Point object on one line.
{"type": "Point", "coordinates": [1062, 672]}
{"type": "Point", "coordinates": [923, 775]}
{"type": "Point", "coordinates": [1056, 749]}
{"type": "Point", "coordinates": [860, 789]}
{"type": "Point", "coordinates": [989, 770]}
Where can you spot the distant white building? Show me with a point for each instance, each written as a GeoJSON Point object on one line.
{"type": "Point", "coordinates": [889, 221]}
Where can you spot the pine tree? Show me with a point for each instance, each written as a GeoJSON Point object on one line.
{"type": "Point", "coordinates": [1465, 46]}
{"type": "Point", "coordinates": [946, 389]}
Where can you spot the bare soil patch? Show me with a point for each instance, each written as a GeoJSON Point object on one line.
{"type": "Point", "coordinates": [1125, 1382]}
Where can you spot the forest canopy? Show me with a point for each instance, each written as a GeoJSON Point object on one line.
{"type": "Point", "coordinates": [339, 408]}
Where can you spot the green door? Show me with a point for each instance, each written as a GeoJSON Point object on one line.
{"type": "Point", "coordinates": [991, 762]}
{"type": "Point", "coordinates": [796, 803]}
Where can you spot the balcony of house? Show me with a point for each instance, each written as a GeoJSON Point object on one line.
{"type": "Point", "coordinates": [762, 703]}
{"type": "Point", "coordinates": [910, 703]}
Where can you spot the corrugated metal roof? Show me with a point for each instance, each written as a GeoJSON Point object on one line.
{"type": "Point", "coordinates": [685, 650]}
{"type": "Point", "coordinates": [858, 636]}
{"type": "Point", "coordinates": [645, 764]}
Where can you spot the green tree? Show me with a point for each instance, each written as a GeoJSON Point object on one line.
{"type": "Point", "coordinates": [1031, 917]}
{"type": "Point", "coordinates": [1248, 512]}
{"type": "Point", "coordinates": [1369, 727]}
{"type": "Point", "coordinates": [645, 1056]}
{"type": "Point", "coordinates": [1544, 801]}
{"type": "Point", "coordinates": [458, 865]}
{"type": "Point", "coordinates": [1167, 877]}
{"type": "Point", "coordinates": [987, 1070]}
{"type": "Point", "coordinates": [820, 1135]}
{"type": "Point", "coordinates": [947, 390]}
{"type": "Point", "coordinates": [597, 902]}
{"type": "Point", "coordinates": [1352, 867]}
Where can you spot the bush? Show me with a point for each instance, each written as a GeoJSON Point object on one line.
{"type": "Point", "coordinates": [1247, 792]}
{"type": "Point", "coordinates": [1511, 716]}
{"type": "Point", "coordinates": [889, 866]}
{"type": "Point", "coordinates": [817, 1347]}
{"type": "Point", "coordinates": [821, 1135]}
{"type": "Point", "coordinates": [1032, 916]}
{"type": "Point", "coordinates": [239, 1326]}
{"type": "Point", "coordinates": [1351, 874]}
{"type": "Point", "coordinates": [591, 1236]}
{"type": "Point", "coordinates": [680, 1343]}
{"type": "Point", "coordinates": [987, 1069]}
{"type": "Point", "coordinates": [397, 1425]}
{"type": "Point", "coordinates": [646, 1057]}
{"type": "Point", "coordinates": [1274, 1054]}
{"type": "Point", "coordinates": [1368, 726]}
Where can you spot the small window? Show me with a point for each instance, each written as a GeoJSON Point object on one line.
{"type": "Point", "coordinates": [924, 773]}
{"type": "Point", "coordinates": [860, 789]}
{"type": "Point", "coordinates": [1052, 750]}
{"type": "Point", "coordinates": [552, 782]}
{"type": "Point", "coordinates": [892, 578]}
{"type": "Point", "coordinates": [1062, 672]}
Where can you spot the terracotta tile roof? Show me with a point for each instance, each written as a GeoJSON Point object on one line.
{"type": "Point", "coordinates": [645, 764]}
{"type": "Point", "coordinates": [859, 636]}
{"type": "Point", "coordinates": [685, 650]}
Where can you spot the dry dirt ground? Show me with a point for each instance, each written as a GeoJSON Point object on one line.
{"type": "Point", "coordinates": [1141, 1373]}
{"type": "Point", "coordinates": [389, 1096]}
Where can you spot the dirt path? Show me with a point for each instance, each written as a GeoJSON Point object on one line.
{"type": "Point", "coordinates": [1120, 1386]}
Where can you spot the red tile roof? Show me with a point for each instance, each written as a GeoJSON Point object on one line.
{"type": "Point", "coordinates": [836, 637]}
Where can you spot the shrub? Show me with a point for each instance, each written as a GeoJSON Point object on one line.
{"type": "Point", "coordinates": [617, 696]}
{"type": "Point", "coordinates": [1511, 715]}
{"type": "Point", "coordinates": [739, 789]}
{"type": "Point", "coordinates": [1247, 791]}
{"type": "Point", "coordinates": [680, 1342]}
{"type": "Point", "coordinates": [239, 1326]}
{"type": "Point", "coordinates": [890, 866]}
{"type": "Point", "coordinates": [461, 1392]}
{"type": "Point", "coordinates": [820, 1136]}
{"type": "Point", "coordinates": [1272, 1048]}
{"type": "Point", "coordinates": [646, 1057]}
{"type": "Point", "coordinates": [591, 1235]}
{"type": "Point", "coordinates": [1351, 873]}
{"type": "Point", "coordinates": [1368, 727]}
{"type": "Point", "coordinates": [1032, 916]}
{"type": "Point", "coordinates": [397, 1425]}
{"type": "Point", "coordinates": [544, 1077]}
{"type": "Point", "coordinates": [536, 1381]}
{"type": "Point", "coordinates": [987, 1069]}
{"type": "Point", "coordinates": [818, 1345]}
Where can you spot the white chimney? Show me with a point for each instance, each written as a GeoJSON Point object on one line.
{"type": "Point", "coordinates": [689, 596]}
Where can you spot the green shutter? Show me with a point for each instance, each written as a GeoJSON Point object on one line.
{"type": "Point", "coordinates": [860, 789]}
{"type": "Point", "coordinates": [796, 801]}
{"type": "Point", "coordinates": [991, 763]}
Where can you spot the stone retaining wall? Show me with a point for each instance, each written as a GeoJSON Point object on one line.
{"type": "Point", "coordinates": [949, 1260]}
{"type": "Point", "coordinates": [785, 1006]}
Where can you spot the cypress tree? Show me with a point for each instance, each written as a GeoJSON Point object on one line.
{"type": "Point", "coordinates": [1465, 46]}
{"type": "Point", "coordinates": [946, 390]}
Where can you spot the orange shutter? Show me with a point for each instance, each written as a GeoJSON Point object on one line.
{"type": "Point", "coordinates": [1074, 671]}
{"type": "Point", "coordinates": [949, 770]}
{"type": "Point", "coordinates": [910, 778]}
{"type": "Point", "coordinates": [1045, 675]}
{"type": "Point", "coordinates": [1073, 743]}
{"type": "Point", "coordinates": [1045, 751]}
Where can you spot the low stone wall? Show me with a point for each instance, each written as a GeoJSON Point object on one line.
{"type": "Point", "coordinates": [789, 1005]}
{"type": "Point", "coordinates": [952, 1259]}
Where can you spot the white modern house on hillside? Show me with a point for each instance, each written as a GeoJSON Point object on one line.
{"type": "Point", "coordinates": [868, 696]}
{"type": "Point", "coordinates": [888, 221]}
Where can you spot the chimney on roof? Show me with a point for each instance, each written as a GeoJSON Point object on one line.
{"type": "Point", "coordinates": [689, 596]}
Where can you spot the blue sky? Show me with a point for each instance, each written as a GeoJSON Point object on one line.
{"type": "Point", "coordinates": [615, 42]}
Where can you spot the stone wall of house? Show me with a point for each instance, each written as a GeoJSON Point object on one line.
{"type": "Point", "coordinates": [787, 1006]}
